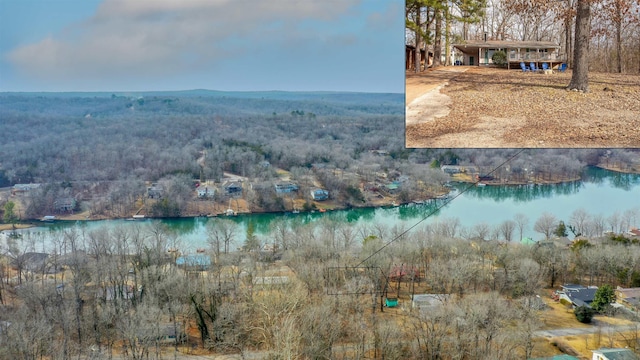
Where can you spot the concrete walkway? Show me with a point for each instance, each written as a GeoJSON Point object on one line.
{"type": "Point", "coordinates": [432, 104]}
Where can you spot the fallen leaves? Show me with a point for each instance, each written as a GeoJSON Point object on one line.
{"type": "Point", "coordinates": [549, 116]}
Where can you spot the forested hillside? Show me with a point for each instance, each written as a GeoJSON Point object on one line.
{"type": "Point", "coordinates": [56, 137]}
{"type": "Point", "coordinates": [102, 151]}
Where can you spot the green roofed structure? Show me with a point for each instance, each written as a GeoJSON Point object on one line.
{"type": "Point", "coordinates": [614, 354]}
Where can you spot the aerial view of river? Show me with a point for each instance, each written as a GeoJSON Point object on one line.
{"type": "Point", "coordinates": [599, 192]}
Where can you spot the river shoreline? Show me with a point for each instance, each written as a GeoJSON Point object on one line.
{"type": "Point", "coordinates": [386, 203]}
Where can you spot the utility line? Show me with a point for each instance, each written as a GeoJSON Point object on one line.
{"type": "Point", "coordinates": [438, 208]}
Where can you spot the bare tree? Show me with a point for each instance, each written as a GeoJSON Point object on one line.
{"type": "Point", "coordinates": [579, 222]}
{"type": "Point", "coordinates": [521, 222]}
{"type": "Point", "coordinates": [545, 224]}
{"type": "Point", "coordinates": [506, 228]}
{"type": "Point", "coordinates": [221, 232]}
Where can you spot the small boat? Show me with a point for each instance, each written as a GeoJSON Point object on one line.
{"type": "Point", "coordinates": [230, 212]}
{"type": "Point", "coordinates": [481, 184]}
{"type": "Point", "coordinates": [295, 211]}
{"type": "Point", "coordinates": [49, 218]}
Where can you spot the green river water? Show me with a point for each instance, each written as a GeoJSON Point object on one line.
{"type": "Point", "coordinates": [599, 192]}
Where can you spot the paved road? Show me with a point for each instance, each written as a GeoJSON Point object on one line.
{"type": "Point", "coordinates": [604, 327]}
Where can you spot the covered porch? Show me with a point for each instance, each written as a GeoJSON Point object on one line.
{"type": "Point", "coordinates": [476, 53]}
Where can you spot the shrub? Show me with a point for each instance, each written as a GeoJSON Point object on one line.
{"type": "Point", "coordinates": [584, 314]}
{"type": "Point", "coordinates": [499, 58]}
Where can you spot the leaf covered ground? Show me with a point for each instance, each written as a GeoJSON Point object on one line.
{"type": "Point", "coordinates": [508, 108]}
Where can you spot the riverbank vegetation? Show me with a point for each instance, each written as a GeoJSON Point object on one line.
{"type": "Point", "coordinates": [96, 156]}
{"type": "Point", "coordinates": [314, 290]}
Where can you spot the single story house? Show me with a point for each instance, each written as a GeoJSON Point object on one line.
{"type": "Point", "coordinates": [154, 191]}
{"type": "Point", "coordinates": [233, 188]}
{"type": "Point", "coordinates": [194, 262]}
{"type": "Point", "coordinates": [319, 194]}
{"type": "Point", "coordinates": [479, 52]}
{"type": "Point", "coordinates": [578, 295]}
{"type": "Point", "coordinates": [206, 192]}
{"type": "Point", "coordinates": [629, 297]}
{"type": "Point", "coordinates": [286, 187]}
{"type": "Point", "coordinates": [634, 232]}
{"type": "Point", "coordinates": [23, 188]}
{"type": "Point", "coordinates": [613, 354]}
{"type": "Point", "coordinates": [429, 301]}
{"type": "Point", "coordinates": [62, 205]}
{"type": "Point", "coordinates": [34, 262]}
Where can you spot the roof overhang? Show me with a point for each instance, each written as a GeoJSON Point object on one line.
{"type": "Point", "coordinates": [472, 47]}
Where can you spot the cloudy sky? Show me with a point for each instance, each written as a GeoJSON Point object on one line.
{"type": "Point", "coordinates": [136, 45]}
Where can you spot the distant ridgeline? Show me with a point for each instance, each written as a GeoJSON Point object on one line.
{"type": "Point", "coordinates": [203, 102]}
{"type": "Point", "coordinates": [148, 135]}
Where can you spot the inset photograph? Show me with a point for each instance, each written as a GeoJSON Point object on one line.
{"type": "Point", "coordinates": [474, 83]}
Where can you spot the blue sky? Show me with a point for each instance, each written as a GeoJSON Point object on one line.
{"type": "Point", "coordinates": [233, 45]}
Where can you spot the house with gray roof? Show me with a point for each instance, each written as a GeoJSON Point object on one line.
{"type": "Point", "coordinates": [613, 354]}
{"type": "Point", "coordinates": [578, 295]}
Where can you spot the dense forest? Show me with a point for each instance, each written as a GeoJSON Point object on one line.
{"type": "Point", "coordinates": [319, 294]}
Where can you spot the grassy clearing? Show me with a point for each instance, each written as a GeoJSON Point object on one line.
{"type": "Point", "coordinates": [558, 316]}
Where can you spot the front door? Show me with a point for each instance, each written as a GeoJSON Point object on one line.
{"type": "Point", "coordinates": [471, 61]}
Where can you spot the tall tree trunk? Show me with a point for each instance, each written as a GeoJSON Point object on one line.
{"type": "Point", "coordinates": [437, 43]}
{"type": "Point", "coordinates": [418, 39]}
{"type": "Point", "coordinates": [619, 36]}
{"type": "Point", "coordinates": [580, 75]}
{"type": "Point", "coordinates": [447, 39]}
{"type": "Point", "coordinates": [465, 27]}
{"type": "Point", "coordinates": [568, 22]}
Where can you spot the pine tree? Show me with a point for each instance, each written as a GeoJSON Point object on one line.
{"type": "Point", "coordinates": [603, 298]}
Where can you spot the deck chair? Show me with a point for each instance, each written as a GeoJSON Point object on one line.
{"type": "Point", "coordinates": [562, 67]}
{"type": "Point", "coordinates": [524, 67]}
{"type": "Point", "coordinates": [533, 66]}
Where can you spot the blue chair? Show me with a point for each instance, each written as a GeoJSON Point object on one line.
{"type": "Point", "coordinates": [545, 66]}
{"type": "Point", "coordinates": [533, 66]}
{"type": "Point", "coordinates": [562, 67]}
{"type": "Point", "coordinates": [524, 67]}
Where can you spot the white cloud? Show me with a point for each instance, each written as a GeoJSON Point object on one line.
{"type": "Point", "coordinates": [167, 37]}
